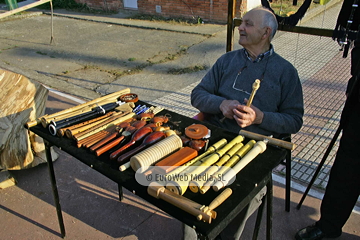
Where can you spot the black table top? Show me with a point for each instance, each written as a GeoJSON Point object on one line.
{"type": "Point", "coordinates": [248, 182]}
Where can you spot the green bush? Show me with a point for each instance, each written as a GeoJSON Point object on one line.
{"type": "Point", "coordinates": [65, 4]}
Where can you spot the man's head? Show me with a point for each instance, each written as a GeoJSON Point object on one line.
{"type": "Point", "coordinates": [257, 29]}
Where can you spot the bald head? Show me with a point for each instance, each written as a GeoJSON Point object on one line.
{"type": "Point", "coordinates": [268, 19]}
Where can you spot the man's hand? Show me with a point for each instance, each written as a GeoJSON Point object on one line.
{"type": "Point", "coordinates": [227, 107]}
{"type": "Point", "coordinates": [246, 116]}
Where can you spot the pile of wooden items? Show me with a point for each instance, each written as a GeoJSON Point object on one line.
{"type": "Point", "coordinates": [139, 137]}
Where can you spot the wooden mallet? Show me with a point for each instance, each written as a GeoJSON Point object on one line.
{"type": "Point", "coordinates": [201, 212]}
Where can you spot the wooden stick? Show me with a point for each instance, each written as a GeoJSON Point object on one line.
{"type": "Point", "coordinates": [23, 8]}
{"type": "Point", "coordinates": [209, 151]}
{"type": "Point", "coordinates": [272, 141]}
{"type": "Point", "coordinates": [201, 212]}
{"type": "Point", "coordinates": [181, 187]}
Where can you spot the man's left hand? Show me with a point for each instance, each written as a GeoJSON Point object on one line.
{"type": "Point", "coordinates": [246, 116]}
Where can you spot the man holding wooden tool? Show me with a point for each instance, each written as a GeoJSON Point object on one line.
{"type": "Point", "coordinates": [277, 108]}
{"type": "Point", "coordinates": [226, 95]}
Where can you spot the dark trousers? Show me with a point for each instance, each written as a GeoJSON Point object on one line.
{"type": "Point", "coordinates": [343, 188]}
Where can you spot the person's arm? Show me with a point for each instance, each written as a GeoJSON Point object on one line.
{"type": "Point", "coordinates": [205, 96]}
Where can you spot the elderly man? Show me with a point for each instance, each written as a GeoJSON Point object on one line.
{"type": "Point", "coordinates": [277, 107]}
{"type": "Point", "coordinates": [278, 104]}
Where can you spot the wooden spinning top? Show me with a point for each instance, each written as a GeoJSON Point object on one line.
{"type": "Point", "coordinates": [196, 131]}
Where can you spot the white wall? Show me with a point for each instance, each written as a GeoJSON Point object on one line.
{"type": "Point", "coordinates": [253, 3]}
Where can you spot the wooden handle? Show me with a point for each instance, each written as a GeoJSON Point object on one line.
{"type": "Point", "coordinates": [124, 166]}
{"type": "Point", "coordinates": [220, 199]}
{"type": "Point", "coordinates": [104, 141]}
{"type": "Point", "coordinates": [108, 146]}
{"type": "Point", "coordinates": [137, 136]}
{"type": "Point", "coordinates": [272, 141]}
{"type": "Point", "coordinates": [191, 207]}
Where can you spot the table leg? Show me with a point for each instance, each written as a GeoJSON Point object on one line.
{"type": "Point", "coordinates": [54, 187]}
{"type": "Point", "coordinates": [121, 194]}
{"type": "Point", "coordinates": [258, 219]}
{"type": "Point", "coordinates": [269, 208]}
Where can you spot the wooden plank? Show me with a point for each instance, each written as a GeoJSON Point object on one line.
{"type": "Point", "coordinates": [20, 9]}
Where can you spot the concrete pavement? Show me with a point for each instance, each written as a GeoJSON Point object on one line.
{"type": "Point", "coordinates": [95, 55]}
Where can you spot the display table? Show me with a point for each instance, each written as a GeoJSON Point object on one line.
{"type": "Point", "coordinates": [248, 183]}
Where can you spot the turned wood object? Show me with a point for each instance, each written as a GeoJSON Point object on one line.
{"type": "Point", "coordinates": [271, 140]}
{"type": "Point", "coordinates": [230, 163]}
{"type": "Point", "coordinates": [258, 148]}
{"type": "Point", "coordinates": [201, 212]}
{"type": "Point", "coordinates": [137, 136]}
{"type": "Point", "coordinates": [178, 158]}
{"type": "Point", "coordinates": [113, 97]}
{"type": "Point", "coordinates": [150, 139]}
{"type": "Point", "coordinates": [112, 136]}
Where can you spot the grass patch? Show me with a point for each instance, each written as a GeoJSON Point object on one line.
{"type": "Point", "coordinates": [156, 18]}
{"type": "Point", "coordinates": [179, 71]}
{"type": "Point", "coordinates": [41, 53]}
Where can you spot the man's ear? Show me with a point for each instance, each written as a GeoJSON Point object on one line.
{"type": "Point", "coordinates": [267, 33]}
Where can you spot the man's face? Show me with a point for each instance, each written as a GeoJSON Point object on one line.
{"type": "Point", "coordinates": [251, 30]}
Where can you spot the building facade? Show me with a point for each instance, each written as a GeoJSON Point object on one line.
{"type": "Point", "coordinates": [209, 11]}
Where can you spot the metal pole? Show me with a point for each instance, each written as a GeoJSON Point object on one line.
{"type": "Point", "coordinates": [320, 166]}
{"type": "Point", "coordinates": [54, 187]}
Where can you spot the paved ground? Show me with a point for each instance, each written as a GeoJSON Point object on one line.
{"type": "Point", "coordinates": [107, 53]}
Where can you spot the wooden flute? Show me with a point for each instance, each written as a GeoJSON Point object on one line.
{"type": "Point", "coordinates": [87, 105]}
{"type": "Point", "coordinates": [181, 186]}
{"type": "Point", "coordinates": [258, 148]}
{"type": "Point", "coordinates": [230, 163]}
{"type": "Point", "coordinates": [197, 182]}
